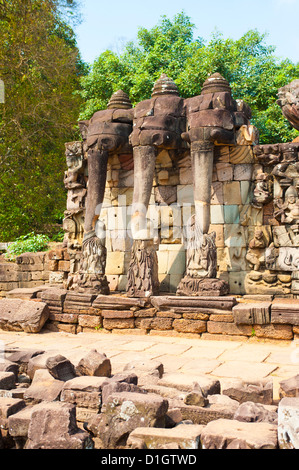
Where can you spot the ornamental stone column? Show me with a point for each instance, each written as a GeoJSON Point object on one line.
{"type": "Point", "coordinates": [212, 119]}
{"type": "Point", "coordinates": [105, 134]}
{"type": "Point", "coordinates": [158, 124]}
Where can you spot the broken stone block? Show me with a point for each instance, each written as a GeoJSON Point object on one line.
{"type": "Point", "coordinates": [124, 412]}
{"type": "Point", "coordinates": [18, 424]}
{"type": "Point", "coordinates": [117, 387]}
{"type": "Point", "coordinates": [185, 436]}
{"type": "Point", "coordinates": [94, 364]}
{"type": "Point", "coordinates": [23, 315]}
{"type": "Point", "coordinates": [288, 423]}
{"type": "Point", "coordinates": [221, 433]}
{"type": "Point", "coordinates": [53, 426]}
{"type": "Point", "coordinates": [242, 391]}
{"type": "Point", "coordinates": [84, 391]}
{"type": "Point", "coordinates": [43, 388]}
{"type": "Point", "coordinates": [39, 361]}
{"type": "Point", "coordinates": [7, 380]}
{"type": "Point", "coordinates": [250, 412]}
{"type": "Point", "coordinates": [146, 367]}
{"type": "Point", "coordinates": [60, 368]}
{"type": "Point", "coordinates": [289, 387]}
{"type": "Point", "coordinates": [8, 407]}
{"type": "Point", "coordinates": [22, 358]}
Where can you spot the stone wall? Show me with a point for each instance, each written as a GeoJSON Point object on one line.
{"type": "Point", "coordinates": [233, 218]}
{"type": "Point", "coordinates": [29, 270]}
{"type": "Point", "coordinates": [202, 317]}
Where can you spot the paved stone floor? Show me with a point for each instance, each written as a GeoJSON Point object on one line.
{"type": "Point", "coordinates": [249, 359]}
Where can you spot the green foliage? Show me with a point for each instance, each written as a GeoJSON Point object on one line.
{"type": "Point", "coordinates": [249, 64]}
{"type": "Point", "coordinates": [27, 243]}
{"type": "Point", "coordinates": [41, 66]}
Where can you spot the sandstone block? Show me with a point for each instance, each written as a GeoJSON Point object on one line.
{"type": "Point", "coordinates": [185, 436]}
{"type": "Point", "coordinates": [123, 412]}
{"type": "Point", "coordinates": [242, 391]}
{"type": "Point", "coordinates": [252, 313]}
{"type": "Point", "coordinates": [7, 380]}
{"type": "Point", "coordinates": [26, 315]}
{"type": "Point", "coordinates": [94, 364]}
{"type": "Point", "coordinates": [90, 321]}
{"type": "Point", "coordinates": [219, 434]}
{"type": "Point", "coordinates": [53, 426]}
{"type": "Point", "coordinates": [43, 388]}
{"type": "Point", "coordinates": [187, 383]}
{"type": "Point", "coordinates": [60, 368]}
{"type": "Point", "coordinates": [18, 423]}
{"type": "Point", "coordinates": [288, 419]}
{"type": "Point", "coordinates": [118, 323]}
{"type": "Point", "coordinates": [289, 387]}
{"type": "Point", "coordinates": [85, 392]}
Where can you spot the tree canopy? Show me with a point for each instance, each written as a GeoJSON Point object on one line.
{"type": "Point", "coordinates": [40, 65]}
{"type": "Point", "coordinates": [249, 65]}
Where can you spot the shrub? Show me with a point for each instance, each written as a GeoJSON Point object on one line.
{"type": "Point", "coordinates": [27, 243]}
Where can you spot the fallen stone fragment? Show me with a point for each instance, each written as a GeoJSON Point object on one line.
{"type": "Point", "coordinates": [117, 387]}
{"type": "Point", "coordinates": [242, 391]}
{"type": "Point", "coordinates": [146, 367]}
{"type": "Point", "coordinates": [53, 426]}
{"type": "Point", "coordinates": [7, 380]}
{"type": "Point", "coordinates": [250, 412]}
{"type": "Point", "coordinates": [23, 315]}
{"type": "Point", "coordinates": [94, 364]}
{"type": "Point", "coordinates": [60, 368]}
{"type": "Point", "coordinates": [289, 387]}
{"type": "Point", "coordinates": [185, 436]}
{"type": "Point", "coordinates": [288, 423]}
{"type": "Point", "coordinates": [204, 414]}
{"type": "Point", "coordinates": [84, 391]}
{"type": "Point", "coordinates": [196, 398]}
{"type": "Point", "coordinates": [123, 412]}
{"type": "Point", "coordinates": [221, 433]}
{"type": "Point", "coordinates": [8, 407]}
{"type": "Point", "coordinates": [18, 424]}
{"type": "Point", "coordinates": [22, 357]}
{"type": "Point", "coordinates": [43, 388]}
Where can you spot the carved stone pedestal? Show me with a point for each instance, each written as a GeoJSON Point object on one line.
{"type": "Point", "coordinates": [91, 277]}
{"type": "Point", "coordinates": [190, 286]}
{"type": "Point", "coordinates": [143, 278]}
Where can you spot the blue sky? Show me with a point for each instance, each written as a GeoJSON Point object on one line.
{"type": "Point", "coordinates": [109, 25]}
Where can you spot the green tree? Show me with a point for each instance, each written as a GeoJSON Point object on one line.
{"type": "Point", "coordinates": [249, 64]}
{"type": "Point", "coordinates": [41, 66]}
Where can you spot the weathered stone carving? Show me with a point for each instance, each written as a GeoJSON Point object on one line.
{"type": "Point", "coordinates": [212, 119]}
{"type": "Point", "coordinates": [106, 133]}
{"type": "Point", "coordinates": [256, 250]}
{"type": "Point", "coordinates": [261, 193]}
{"type": "Point", "coordinates": [158, 124]}
{"type": "Point", "coordinates": [203, 152]}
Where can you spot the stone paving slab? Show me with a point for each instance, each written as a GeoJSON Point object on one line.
{"type": "Point", "coordinates": [244, 370]}
{"type": "Point", "coordinates": [246, 353]}
{"type": "Point", "coordinates": [221, 359]}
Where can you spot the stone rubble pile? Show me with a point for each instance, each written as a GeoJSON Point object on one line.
{"type": "Point", "coordinates": [49, 401]}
